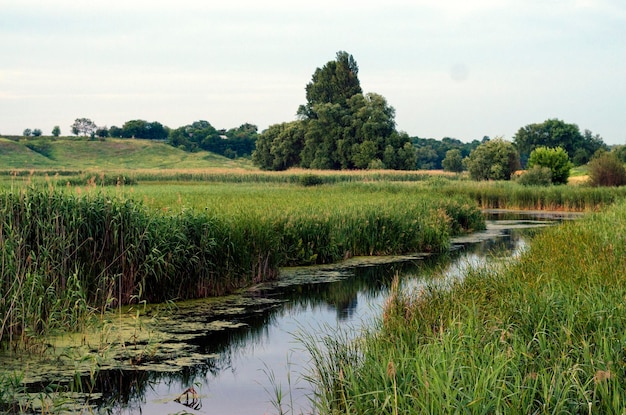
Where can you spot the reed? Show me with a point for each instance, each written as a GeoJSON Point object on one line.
{"type": "Point", "coordinates": [542, 335]}
{"type": "Point", "coordinates": [65, 252]}
{"type": "Point", "coordinates": [511, 195]}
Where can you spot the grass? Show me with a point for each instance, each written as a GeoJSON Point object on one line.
{"type": "Point", "coordinates": [66, 251]}
{"type": "Point", "coordinates": [543, 335]}
{"type": "Point", "coordinates": [67, 153]}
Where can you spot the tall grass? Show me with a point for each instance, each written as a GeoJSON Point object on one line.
{"type": "Point", "coordinates": [544, 335]}
{"type": "Point", "coordinates": [62, 253]}
{"type": "Point", "coordinates": [511, 195]}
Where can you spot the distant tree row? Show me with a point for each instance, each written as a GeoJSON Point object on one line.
{"type": "Point", "coordinates": [431, 153]}
{"type": "Point", "coordinates": [200, 135]}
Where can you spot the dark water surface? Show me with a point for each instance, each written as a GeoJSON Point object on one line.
{"type": "Point", "coordinates": [237, 351]}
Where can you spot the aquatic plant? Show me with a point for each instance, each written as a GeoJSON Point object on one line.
{"type": "Point", "coordinates": [542, 335]}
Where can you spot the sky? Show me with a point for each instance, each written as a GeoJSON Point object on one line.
{"type": "Point", "coordinates": [451, 68]}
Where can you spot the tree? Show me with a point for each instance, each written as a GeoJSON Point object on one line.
{"type": "Point", "coordinates": [431, 152]}
{"type": "Point", "coordinates": [280, 146]}
{"type": "Point", "coordinates": [143, 129]}
{"type": "Point", "coordinates": [115, 132]}
{"type": "Point", "coordinates": [339, 127]}
{"type": "Point", "coordinates": [620, 152]}
{"type": "Point", "coordinates": [453, 161]}
{"type": "Point", "coordinates": [37, 132]}
{"type": "Point", "coordinates": [607, 170]}
{"type": "Point", "coordinates": [554, 133]}
{"type": "Point", "coordinates": [83, 126]}
{"type": "Point", "coordinates": [335, 83]}
{"type": "Point", "coordinates": [102, 132]}
{"type": "Point", "coordinates": [195, 136]}
{"type": "Point", "coordinates": [496, 159]}
{"type": "Point", "coordinates": [56, 131]}
{"type": "Point", "coordinates": [27, 132]}
{"type": "Point", "coordinates": [556, 159]}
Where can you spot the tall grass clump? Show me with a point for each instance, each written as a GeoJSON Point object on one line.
{"type": "Point", "coordinates": [543, 335]}
{"type": "Point", "coordinates": [62, 254]}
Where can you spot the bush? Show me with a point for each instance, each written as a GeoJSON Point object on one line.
{"type": "Point", "coordinates": [556, 159]}
{"type": "Point", "coordinates": [607, 170]}
{"type": "Point", "coordinates": [311, 180]}
{"type": "Point", "coordinates": [496, 159]}
{"type": "Point", "coordinates": [536, 176]}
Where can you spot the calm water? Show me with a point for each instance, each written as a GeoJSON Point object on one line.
{"type": "Point", "coordinates": [236, 352]}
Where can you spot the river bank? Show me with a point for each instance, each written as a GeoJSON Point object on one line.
{"type": "Point", "coordinates": [544, 334]}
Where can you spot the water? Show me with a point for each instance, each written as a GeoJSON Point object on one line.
{"type": "Point", "coordinates": [237, 352]}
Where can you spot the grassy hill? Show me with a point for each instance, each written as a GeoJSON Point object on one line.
{"type": "Point", "coordinates": [71, 153]}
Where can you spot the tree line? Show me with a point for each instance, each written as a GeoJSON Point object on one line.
{"type": "Point", "coordinates": [200, 135]}
{"type": "Point", "coordinates": [340, 127]}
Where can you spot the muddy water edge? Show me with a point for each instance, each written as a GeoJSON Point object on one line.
{"type": "Point", "coordinates": [236, 354]}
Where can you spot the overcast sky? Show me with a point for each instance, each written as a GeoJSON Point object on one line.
{"type": "Point", "coordinates": [456, 68]}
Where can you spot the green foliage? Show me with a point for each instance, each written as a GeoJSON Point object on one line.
{"type": "Point", "coordinates": [607, 170]}
{"type": "Point", "coordinates": [311, 180]}
{"type": "Point", "coordinates": [556, 159]}
{"type": "Point", "coordinates": [339, 128]}
{"type": "Point", "coordinates": [555, 133]}
{"type": "Point", "coordinates": [83, 126]}
{"type": "Point", "coordinates": [543, 335]}
{"type": "Point", "coordinates": [495, 159]}
{"type": "Point", "coordinates": [37, 132]}
{"type": "Point", "coordinates": [536, 176]}
{"type": "Point", "coordinates": [144, 129]}
{"type": "Point", "coordinates": [334, 83]}
{"type": "Point", "coordinates": [27, 132]}
{"type": "Point", "coordinates": [453, 161]}
{"type": "Point", "coordinates": [56, 131]}
{"type": "Point", "coordinates": [431, 152]}
{"type": "Point", "coordinates": [201, 135]}
{"type": "Point", "coordinates": [102, 132]}
{"type": "Point", "coordinates": [620, 152]}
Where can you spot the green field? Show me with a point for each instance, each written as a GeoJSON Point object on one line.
{"type": "Point", "coordinates": [79, 154]}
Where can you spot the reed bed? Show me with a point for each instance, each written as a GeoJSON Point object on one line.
{"type": "Point", "coordinates": [543, 335]}
{"type": "Point", "coordinates": [511, 195]}
{"type": "Point", "coordinates": [65, 251]}
{"type": "Point", "coordinates": [223, 175]}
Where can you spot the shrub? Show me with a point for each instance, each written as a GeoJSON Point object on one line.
{"type": "Point", "coordinates": [493, 160]}
{"type": "Point", "coordinates": [556, 159]}
{"type": "Point", "coordinates": [607, 170]}
{"type": "Point", "coordinates": [311, 180]}
{"type": "Point", "coordinates": [536, 176]}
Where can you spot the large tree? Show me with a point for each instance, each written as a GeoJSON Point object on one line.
{"type": "Point", "coordinates": [335, 83]}
{"type": "Point", "coordinates": [339, 127]}
{"type": "Point", "coordinates": [555, 133]}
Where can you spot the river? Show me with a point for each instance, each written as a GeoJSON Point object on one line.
{"type": "Point", "coordinates": [240, 354]}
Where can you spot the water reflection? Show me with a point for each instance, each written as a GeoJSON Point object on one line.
{"type": "Point", "coordinates": [238, 349]}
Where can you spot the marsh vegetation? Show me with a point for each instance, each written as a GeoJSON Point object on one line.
{"type": "Point", "coordinates": [77, 244]}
